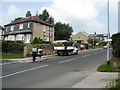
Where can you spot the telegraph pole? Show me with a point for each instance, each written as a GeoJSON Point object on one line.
{"type": "Point", "coordinates": [108, 49]}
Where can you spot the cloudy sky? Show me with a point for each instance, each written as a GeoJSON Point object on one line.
{"type": "Point", "coordinates": [83, 15]}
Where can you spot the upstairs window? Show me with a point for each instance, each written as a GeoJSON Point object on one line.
{"type": "Point", "coordinates": [28, 25]}
{"type": "Point", "coordinates": [11, 28]}
{"type": "Point", "coordinates": [21, 26]}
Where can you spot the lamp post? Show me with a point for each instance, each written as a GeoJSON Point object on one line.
{"type": "Point", "coordinates": [108, 49]}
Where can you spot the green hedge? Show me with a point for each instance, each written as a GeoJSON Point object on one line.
{"type": "Point", "coordinates": [12, 47]}
{"type": "Point", "coordinates": [116, 45]}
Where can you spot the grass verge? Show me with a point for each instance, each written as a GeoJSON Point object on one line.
{"type": "Point", "coordinates": [107, 68]}
{"type": "Point", "coordinates": [11, 56]}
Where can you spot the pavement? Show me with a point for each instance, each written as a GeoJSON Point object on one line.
{"type": "Point", "coordinates": [95, 80]}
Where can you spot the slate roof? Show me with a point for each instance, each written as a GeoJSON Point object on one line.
{"type": "Point", "coordinates": [27, 19]}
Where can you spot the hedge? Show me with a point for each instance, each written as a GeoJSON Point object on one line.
{"type": "Point", "coordinates": [12, 47]}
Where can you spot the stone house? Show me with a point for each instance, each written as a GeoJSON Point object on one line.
{"type": "Point", "coordinates": [81, 36]}
{"type": "Point", "coordinates": [25, 29]}
{"type": "Point", "coordinates": [100, 37]}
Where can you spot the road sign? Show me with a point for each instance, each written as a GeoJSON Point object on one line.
{"type": "Point", "coordinates": [108, 40]}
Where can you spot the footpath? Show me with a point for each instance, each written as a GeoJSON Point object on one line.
{"type": "Point", "coordinates": [95, 80]}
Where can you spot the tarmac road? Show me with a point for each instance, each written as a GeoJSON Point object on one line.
{"type": "Point", "coordinates": [55, 72]}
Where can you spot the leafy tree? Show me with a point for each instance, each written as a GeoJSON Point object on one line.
{"type": "Point", "coordinates": [90, 41]}
{"type": "Point", "coordinates": [103, 43]}
{"type": "Point", "coordinates": [116, 45]}
{"type": "Point", "coordinates": [62, 31]}
{"type": "Point", "coordinates": [51, 20]}
{"type": "Point", "coordinates": [46, 17]}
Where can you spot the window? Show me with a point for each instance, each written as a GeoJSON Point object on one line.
{"type": "Point", "coordinates": [11, 28]}
{"type": "Point", "coordinates": [27, 39]}
{"type": "Point", "coordinates": [21, 26]}
{"type": "Point", "coordinates": [20, 37]}
{"type": "Point", "coordinates": [28, 25]}
{"type": "Point", "coordinates": [11, 37]}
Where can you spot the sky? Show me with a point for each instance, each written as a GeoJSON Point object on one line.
{"type": "Point", "coordinates": [83, 15]}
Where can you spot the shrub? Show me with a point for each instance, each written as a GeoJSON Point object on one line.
{"type": "Point", "coordinates": [116, 45]}
{"type": "Point", "coordinates": [103, 43]}
{"type": "Point", "coordinates": [36, 41]}
{"type": "Point", "coordinates": [59, 44]}
{"type": "Point", "coordinates": [12, 47]}
{"type": "Point", "coordinates": [114, 85]}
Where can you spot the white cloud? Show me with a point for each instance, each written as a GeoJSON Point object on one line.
{"type": "Point", "coordinates": [81, 14]}
{"type": "Point", "coordinates": [13, 10]}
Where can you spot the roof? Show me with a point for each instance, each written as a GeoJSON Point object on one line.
{"type": "Point", "coordinates": [81, 33]}
{"type": "Point", "coordinates": [1, 28]}
{"type": "Point", "coordinates": [27, 19]}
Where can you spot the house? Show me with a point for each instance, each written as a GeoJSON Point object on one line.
{"type": "Point", "coordinates": [1, 32]}
{"type": "Point", "coordinates": [25, 29]}
{"type": "Point", "coordinates": [100, 37]}
{"type": "Point", "coordinates": [81, 36]}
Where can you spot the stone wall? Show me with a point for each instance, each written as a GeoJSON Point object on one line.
{"type": "Point", "coordinates": [47, 49]}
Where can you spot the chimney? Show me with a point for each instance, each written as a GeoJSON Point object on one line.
{"type": "Point", "coordinates": [28, 14]}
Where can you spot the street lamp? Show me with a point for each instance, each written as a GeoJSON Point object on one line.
{"type": "Point", "coordinates": [108, 49]}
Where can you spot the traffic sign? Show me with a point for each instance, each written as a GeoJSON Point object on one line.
{"type": "Point", "coordinates": [108, 40]}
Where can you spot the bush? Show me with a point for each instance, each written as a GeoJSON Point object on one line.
{"type": "Point", "coordinates": [40, 41]}
{"type": "Point", "coordinates": [12, 47]}
{"type": "Point", "coordinates": [59, 44]}
{"type": "Point", "coordinates": [37, 41]}
{"type": "Point", "coordinates": [114, 85]}
{"type": "Point", "coordinates": [103, 43]}
{"type": "Point", "coordinates": [116, 45]}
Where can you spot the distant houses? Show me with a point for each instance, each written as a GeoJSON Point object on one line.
{"type": "Point", "coordinates": [25, 29]}
{"type": "Point", "coordinates": [83, 37]}
{"type": "Point", "coordinates": [99, 37]}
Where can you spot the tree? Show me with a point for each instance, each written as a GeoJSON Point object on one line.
{"type": "Point", "coordinates": [62, 31]}
{"type": "Point", "coordinates": [46, 17]}
{"type": "Point", "coordinates": [90, 41]}
{"type": "Point", "coordinates": [116, 45]}
{"type": "Point", "coordinates": [51, 20]}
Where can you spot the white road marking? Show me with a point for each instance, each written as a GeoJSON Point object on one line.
{"type": "Point", "coordinates": [84, 56]}
{"type": "Point", "coordinates": [95, 53]}
{"type": "Point", "coordinates": [23, 71]}
{"type": "Point", "coordinates": [67, 60]}
{"type": "Point", "coordinates": [89, 55]}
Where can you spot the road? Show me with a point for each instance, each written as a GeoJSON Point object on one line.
{"type": "Point", "coordinates": [56, 72]}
